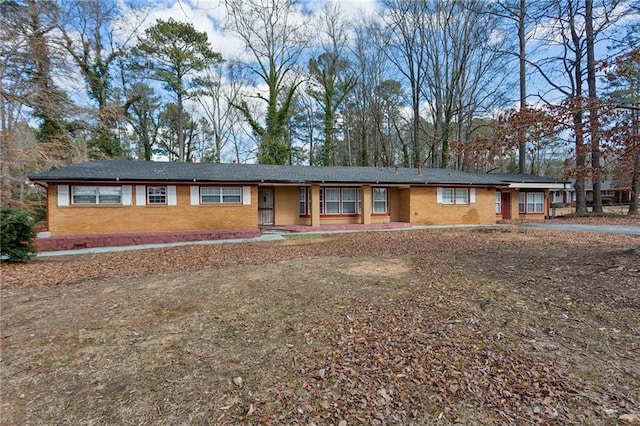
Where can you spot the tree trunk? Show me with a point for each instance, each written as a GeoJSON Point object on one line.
{"type": "Point", "coordinates": [522, 142]}
{"type": "Point", "coordinates": [180, 130]}
{"type": "Point", "coordinates": [635, 184]}
{"type": "Point", "coordinates": [593, 109]}
{"type": "Point", "coordinates": [581, 201]}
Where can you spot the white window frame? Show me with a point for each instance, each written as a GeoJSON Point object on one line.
{"type": "Point", "coordinates": [377, 200]}
{"type": "Point", "coordinates": [498, 202]}
{"type": "Point", "coordinates": [100, 194]}
{"type": "Point", "coordinates": [338, 201]}
{"type": "Point", "coordinates": [455, 196]}
{"type": "Point", "coordinates": [349, 201]}
{"type": "Point", "coordinates": [224, 194]}
{"type": "Point", "coordinates": [531, 202]}
{"type": "Point", "coordinates": [304, 208]}
{"type": "Point", "coordinates": [156, 199]}
{"type": "Point", "coordinates": [332, 201]}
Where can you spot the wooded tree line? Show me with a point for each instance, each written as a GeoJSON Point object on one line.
{"type": "Point", "coordinates": [548, 87]}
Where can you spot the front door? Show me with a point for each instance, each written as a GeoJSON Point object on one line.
{"type": "Point", "coordinates": [265, 205]}
{"type": "Point", "coordinates": [505, 205]}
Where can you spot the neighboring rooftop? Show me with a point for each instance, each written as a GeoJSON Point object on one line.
{"type": "Point", "coordinates": [126, 170]}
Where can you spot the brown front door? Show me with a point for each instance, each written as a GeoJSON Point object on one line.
{"type": "Point", "coordinates": [505, 205]}
{"type": "Point", "coordinates": [265, 205]}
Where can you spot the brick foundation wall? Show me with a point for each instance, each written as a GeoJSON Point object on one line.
{"type": "Point", "coordinates": [72, 242]}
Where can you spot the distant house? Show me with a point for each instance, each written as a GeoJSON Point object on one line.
{"type": "Point", "coordinates": [113, 202]}
{"type": "Point", "coordinates": [612, 192]}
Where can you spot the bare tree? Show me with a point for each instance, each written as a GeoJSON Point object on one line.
{"type": "Point", "coordinates": [363, 113]}
{"type": "Point", "coordinates": [594, 126]}
{"type": "Point", "coordinates": [33, 109]}
{"type": "Point", "coordinates": [275, 37]}
{"type": "Point", "coordinates": [567, 73]}
{"type": "Point", "coordinates": [331, 79]}
{"type": "Point", "coordinates": [406, 48]}
{"type": "Point", "coordinates": [518, 13]}
{"type": "Point", "coordinates": [90, 36]}
{"type": "Point", "coordinates": [218, 90]}
{"type": "Point", "coordinates": [465, 71]}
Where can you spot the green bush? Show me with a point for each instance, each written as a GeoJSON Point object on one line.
{"type": "Point", "coordinates": [17, 230]}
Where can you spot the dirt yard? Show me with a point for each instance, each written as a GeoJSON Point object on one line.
{"type": "Point", "coordinates": [475, 326]}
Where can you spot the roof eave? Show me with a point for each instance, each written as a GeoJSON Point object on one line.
{"type": "Point", "coordinates": [539, 185]}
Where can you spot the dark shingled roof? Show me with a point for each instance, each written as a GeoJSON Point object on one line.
{"type": "Point", "coordinates": [124, 170]}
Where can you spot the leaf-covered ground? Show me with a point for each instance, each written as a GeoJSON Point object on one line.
{"type": "Point", "coordinates": [476, 326]}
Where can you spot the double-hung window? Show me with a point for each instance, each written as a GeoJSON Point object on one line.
{"type": "Point", "coordinates": [96, 195]}
{"type": "Point", "coordinates": [531, 202]}
{"type": "Point", "coordinates": [349, 200]}
{"type": "Point", "coordinates": [498, 202]}
{"type": "Point", "coordinates": [380, 205]}
{"type": "Point", "coordinates": [337, 201]}
{"type": "Point", "coordinates": [220, 195]}
{"type": "Point", "coordinates": [454, 195]}
{"type": "Point", "coordinates": [156, 195]}
{"type": "Point", "coordinates": [303, 202]}
{"type": "Point", "coordinates": [331, 200]}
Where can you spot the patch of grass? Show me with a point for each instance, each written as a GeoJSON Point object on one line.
{"type": "Point", "coordinates": [297, 237]}
{"type": "Point", "coordinates": [166, 310]}
{"type": "Point", "coordinates": [231, 333]}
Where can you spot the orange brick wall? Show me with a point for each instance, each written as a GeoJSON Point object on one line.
{"type": "Point", "coordinates": [286, 207]}
{"type": "Point", "coordinates": [404, 205]}
{"type": "Point", "coordinates": [394, 205]}
{"type": "Point", "coordinates": [424, 210]}
{"type": "Point", "coordinates": [127, 219]}
{"type": "Point", "coordinates": [416, 205]}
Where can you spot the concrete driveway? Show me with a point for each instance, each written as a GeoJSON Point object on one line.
{"type": "Point", "coordinates": [603, 229]}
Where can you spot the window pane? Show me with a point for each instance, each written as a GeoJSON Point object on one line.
{"type": "Point", "coordinates": [231, 195]}
{"type": "Point", "coordinates": [157, 195]}
{"type": "Point", "coordinates": [462, 196]}
{"type": "Point", "coordinates": [538, 199]}
{"type": "Point", "coordinates": [210, 195]}
{"type": "Point", "coordinates": [521, 202]}
{"type": "Point", "coordinates": [109, 195]}
{"type": "Point", "coordinates": [332, 200]}
{"type": "Point", "coordinates": [348, 200]}
{"type": "Point", "coordinates": [379, 200]}
{"type": "Point", "coordinates": [302, 201]}
{"type": "Point", "coordinates": [447, 195]}
{"type": "Point", "coordinates": [380, 194]}
{"type": "Point", "coordinates": [84, 194]}
{"type": "Point", "coordinates": [498, 202]}
{"type": "Point", "coordinates": [332, 194]}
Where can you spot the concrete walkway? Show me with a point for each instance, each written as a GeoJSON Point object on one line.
{"type": "Point", "coordinates": [602, 229]}
{"type": "Point", "coordinates": [278, 235]}
{"type": "Point", "coordinates": [263, 237]}
{"type": "Point", "coordinates": [267, 235]}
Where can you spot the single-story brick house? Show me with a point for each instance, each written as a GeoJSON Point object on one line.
{"type": "Point", "coordinates": [119, 202]}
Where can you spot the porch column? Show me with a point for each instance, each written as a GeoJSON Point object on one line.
{"type": "Point", "coordinates": [315, 205]}
{"type": "Point", "coordinates": [366, 205]}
